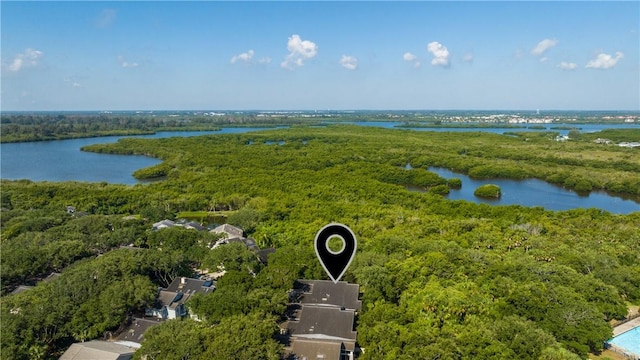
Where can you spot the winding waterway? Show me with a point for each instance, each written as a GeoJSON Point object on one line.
{"type": "Point", "coordinates": [534, 192]}
{"type": "Point", "coordinates": [62, 160]}
{"type": "Point", "coordinates": [495, 129]}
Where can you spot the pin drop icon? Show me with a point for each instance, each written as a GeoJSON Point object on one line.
{"type": "Point", "coordinates": [335, 262]}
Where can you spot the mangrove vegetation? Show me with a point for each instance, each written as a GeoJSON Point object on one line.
{"type": "Point", "coordinates": [439, 278]}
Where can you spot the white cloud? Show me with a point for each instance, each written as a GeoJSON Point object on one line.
{"type": "Point", "coordinates": [440, 54]}
{"type": "Point", "coordinates": [126, 64]}
{"type": "Point", "coordinates": [106, 18]}
{"type": "Point", "coordinates": [604, 61]}
{"type": "Point", "coordinates": [567, 65]}
{"type": "Point", "coordinates": [468, 57]}
{"type": "Point", "coordinates": [543, 46]}
{"type": "Point", "coordinates": [244, 57]}
{"type": "Point", "coordinates": [411, 58]}
{"type": "Point", "coordinates": [28, 58]}
{"type": "Point", "coordinates": [16, 64]}
{"type": "Point", "coordinates": [349, 62]}
{"type": "Point", "coordinates": [544, 59]}
{"type": "Point", "coordinates": [299, 51]}
{"type": "Point", "coordinates": [248, 58]}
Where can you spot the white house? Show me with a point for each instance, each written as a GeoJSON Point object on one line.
{"type": "Point", "coordinates": [170, 303]}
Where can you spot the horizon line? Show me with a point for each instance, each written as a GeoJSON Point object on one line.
{"type": "Point", "coordinates": [317, 110]}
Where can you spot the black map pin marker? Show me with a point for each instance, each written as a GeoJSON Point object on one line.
{"type": "Point", "coordinates": [335, 263]}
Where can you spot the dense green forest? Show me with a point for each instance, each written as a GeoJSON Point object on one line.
{"type": "Point", "coordinates": [578, 164]}
{"type": "Point", "coordinates": [440, 279]}
{"type": "Point", "coordinates": [39, 127]}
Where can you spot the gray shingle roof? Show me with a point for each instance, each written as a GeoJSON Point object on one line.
{"type": "Point", "coordinates": [321, 320]}
{"type": "Point", "coordinates": [325, 292]}
{"type": "Point", "coordinates": [190, 286]}
{"type": "Point", "coordinates": [98, 350]}
{"type": "Point", "coordinates": [313, 350]}
{"type": "Point", "coordinates": [135, 331]}
{"type": "Point", "coordinates": [322, 323]}
{"type": "Point", "coordinates": [230, 230]}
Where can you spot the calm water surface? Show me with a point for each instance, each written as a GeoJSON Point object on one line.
{"type": "Point", "coordinates": [534, 192]}
{"type": "Point", "coordinates": [586, 128]}
{"type": "Point", "coordinates": [629, 340]}
{"type": "Point", "coordinates": [62, 160]}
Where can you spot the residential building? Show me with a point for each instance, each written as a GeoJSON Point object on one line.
{"type": "Point", "coordinates": [166, 223]}
{"type": "Point", "coordinates": [320, 321]}
{"type": "Point", "coordinates": [325, 292]}
{"type": "Point", "coordinates": [170, 303]}
{"type": "Point", "coordinates": [22, 288]}
{"type": "Point", "coordinates": [135, 331]}
{"type": "Point", "coordinates": [193, 225]}
{"type": "Point", "coordinates": [321, 332]}
{"type": "Point", "coordinates": [228, 231]}
{"type": "Point", "coordinates": [233, 234]}
{"type": "Point", "coordinates": [98, 350]}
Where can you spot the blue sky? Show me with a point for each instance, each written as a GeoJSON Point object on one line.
{"type": "Point", "coordinates": [320, 55]}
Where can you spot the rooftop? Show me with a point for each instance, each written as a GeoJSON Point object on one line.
{"type": "Point", "coordinates": [330, 322]}
{"type": "Point", "coordinates": [171, 299]}
{"type": "Point", "coordinates": [312, 350]}
{"type": "Point", "coordinates": [263, 254]}
{"type": "Point", "coordinates": [325, 292]}
{"type": "Point", "coordinates": [98, 350]}
{"type": "Point", "coordinates": [135, 331]}
{"type": "Point", "coordinates": [163, 224]}
{"type": "Point", "coordinates": [230, 230]}
{"type": "Point", "coordinates": [321, 319]}
{"type": "Point", "coordinates": [189, 286]}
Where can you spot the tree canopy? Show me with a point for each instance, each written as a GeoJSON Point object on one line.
{"type": "Point", "coordinates": [440, 278]}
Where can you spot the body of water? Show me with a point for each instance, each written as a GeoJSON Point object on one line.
{"type": "Point", "coordinates": [534, 192]}
{"type": "Point", "coordinates": [629, 341]}
{"type": "Point", "coordinates": [585, 128]}
{"type": "Point", "coordinates": [62, 160]}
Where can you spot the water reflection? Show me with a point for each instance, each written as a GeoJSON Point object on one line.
{"type": "Point", "coordinates": [62, 160]}
{"type": "Point", "coordinates": [534, 192]}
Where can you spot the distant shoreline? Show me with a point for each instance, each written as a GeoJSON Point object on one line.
{"type": "Point", "coordinates": [45, 126]}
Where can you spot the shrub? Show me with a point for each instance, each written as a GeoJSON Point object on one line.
{"type": "Point", "coordinates": [488, 191]}
{"type": "Point", "coordinates": [583, 186]}
{"type": "Point", "coordinates": [439, 189]}
{"type": "Point", "coordinates": [454, 183]}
